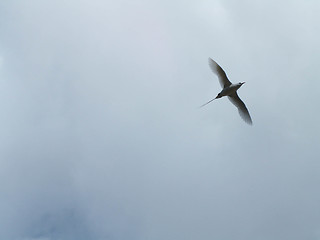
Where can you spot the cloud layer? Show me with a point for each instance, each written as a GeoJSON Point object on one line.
{"type": "Point", "coordinates": [101, 137]}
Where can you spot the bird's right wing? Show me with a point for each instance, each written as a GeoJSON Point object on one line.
{"type": "Point", "coordinates": [242, 109]}
{"type": "Point", "coordinates": [223, 79]}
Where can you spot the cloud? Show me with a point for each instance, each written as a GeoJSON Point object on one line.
{"type": "Point", "coordinates": [41, 238]}
{"type": "Point", "coordinates": [101, 137]}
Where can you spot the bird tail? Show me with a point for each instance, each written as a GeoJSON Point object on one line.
{"type": "Point", "coordinates": [207, 102]}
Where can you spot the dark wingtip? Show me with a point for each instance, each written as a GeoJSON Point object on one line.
{"type": "Point", "coordinates": [249, 121]}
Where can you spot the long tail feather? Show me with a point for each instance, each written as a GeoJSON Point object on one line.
{"type": "Point", "coordinates": [207, 102]}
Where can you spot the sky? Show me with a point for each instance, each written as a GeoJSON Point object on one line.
{"type": "Point", "coordinates": [101, 134]}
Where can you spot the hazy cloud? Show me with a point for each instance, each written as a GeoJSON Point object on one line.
{"type": "Point", "coordinates": [101, 137]}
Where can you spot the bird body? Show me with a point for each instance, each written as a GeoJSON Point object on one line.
{"type": "Point", "coordinates": [229, 90]}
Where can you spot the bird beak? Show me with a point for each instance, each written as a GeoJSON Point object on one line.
{"type": "Point", "coordinates": [243, 82]}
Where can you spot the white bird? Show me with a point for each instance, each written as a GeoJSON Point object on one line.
{"type": "Point", "coordinates": [229, 90]}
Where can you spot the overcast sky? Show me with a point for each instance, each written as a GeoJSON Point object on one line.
{"type": "Point", "coordinates": [101, 135]}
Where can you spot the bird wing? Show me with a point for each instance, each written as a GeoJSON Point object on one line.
{"type": "Point", "coordinates": [223, 79]}
{"type": "Point", "coordinates": [243, 111]}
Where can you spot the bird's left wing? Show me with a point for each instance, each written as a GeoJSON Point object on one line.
{"type": "Point", "coordinates": [243, 111]}
{"type": "Point", "coordinates": [222, 76]}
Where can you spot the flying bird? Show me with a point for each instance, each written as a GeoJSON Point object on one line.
{"type": "Point", "coordinates": [229, 90]}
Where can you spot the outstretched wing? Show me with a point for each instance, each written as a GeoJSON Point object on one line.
{"type": "Point", "coordinates": [223, 79]}
{"type": "Point", "coordinates": [243, 111]}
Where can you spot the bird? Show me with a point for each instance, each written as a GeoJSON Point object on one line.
{"type": "Point", "coordinates": [229, 90]}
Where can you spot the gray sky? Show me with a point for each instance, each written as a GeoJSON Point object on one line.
{"type": "Point", "coordinates": [101, 137]}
